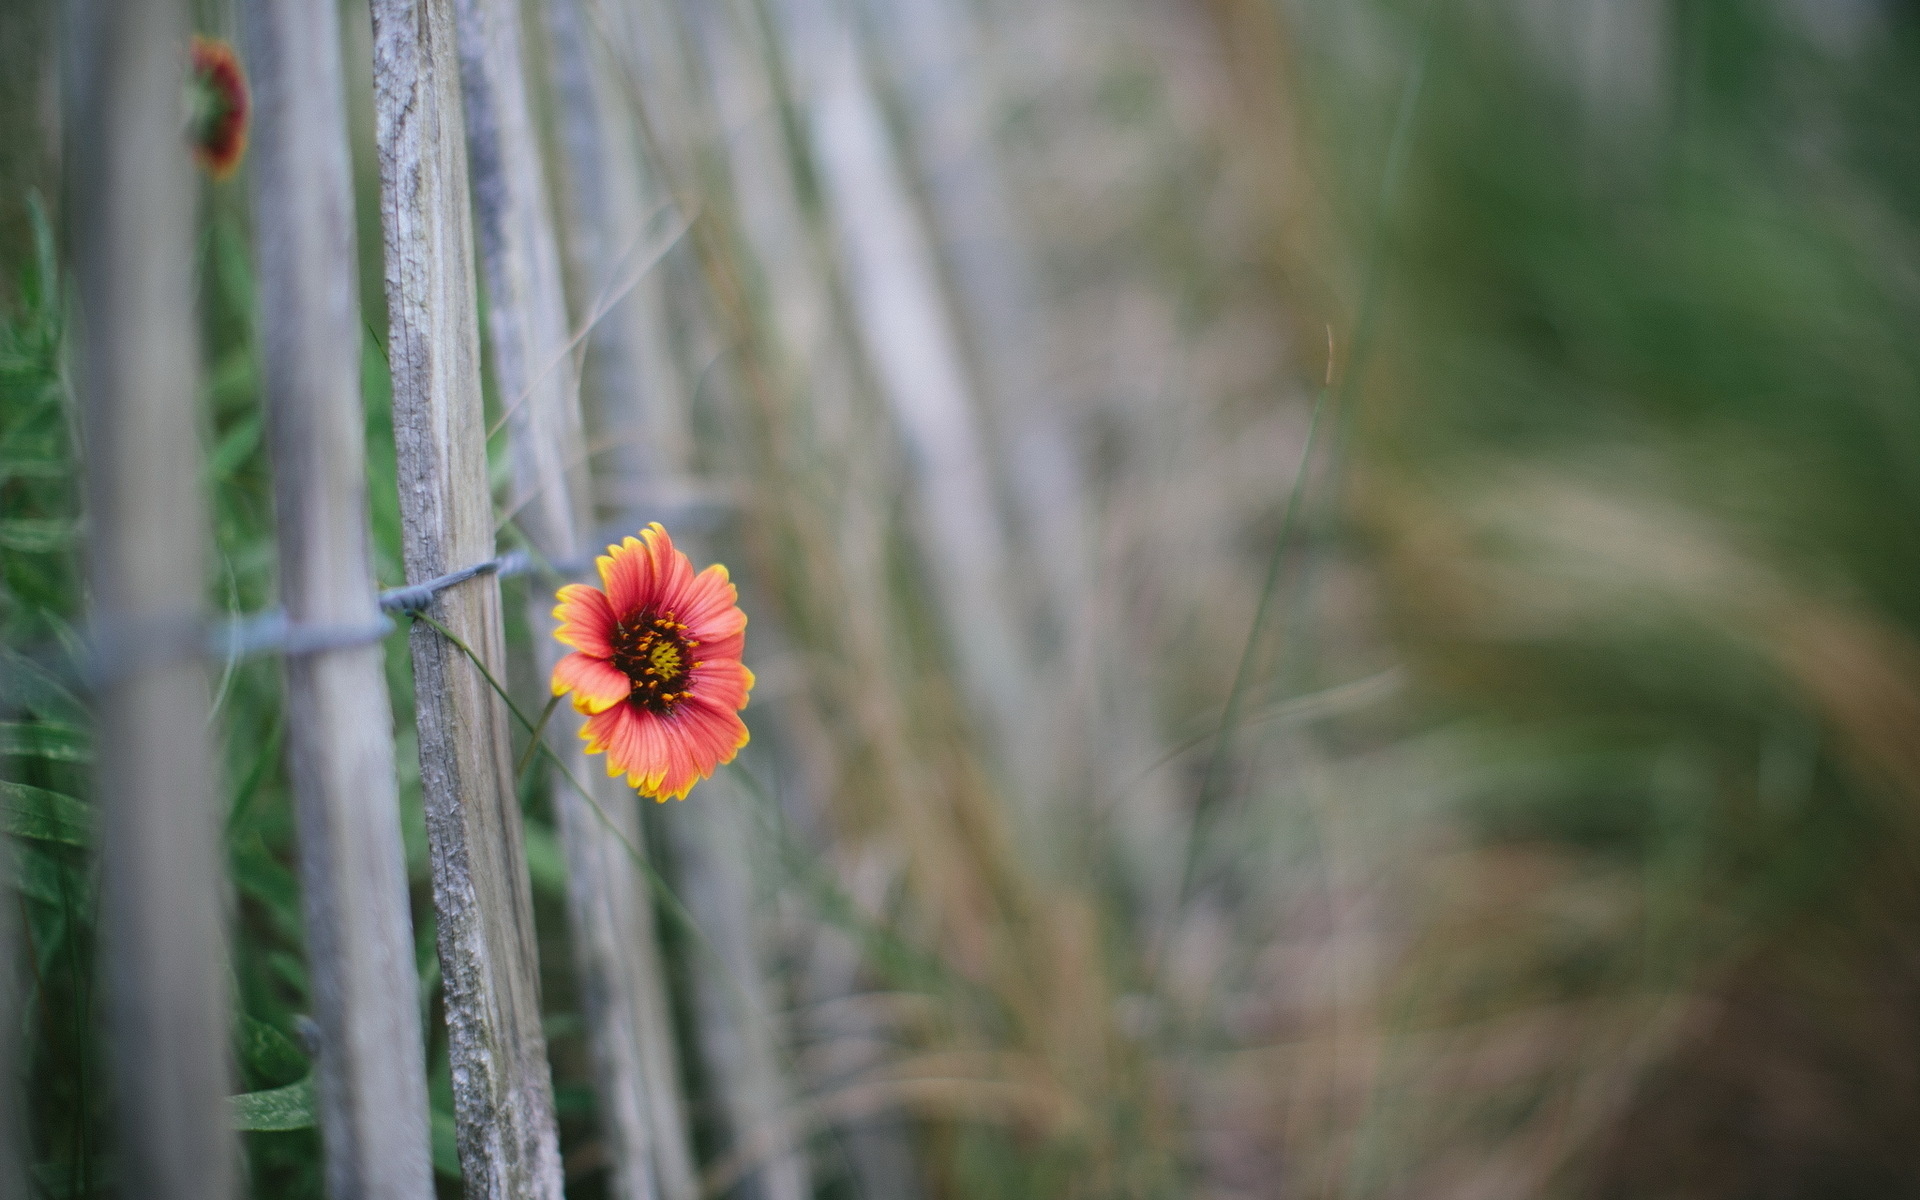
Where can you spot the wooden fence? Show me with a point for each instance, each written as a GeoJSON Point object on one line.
{"type": "Point", "coordinates": [655, 149]}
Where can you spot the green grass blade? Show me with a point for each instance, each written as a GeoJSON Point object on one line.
{"type": "Point", "coordinates": [43, 816]}
{"type": "Point", "coordinates": [45, 740]}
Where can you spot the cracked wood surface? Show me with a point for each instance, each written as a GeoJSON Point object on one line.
{"type": "Point", "coordinates": [609, 917]}
{"type": "Point", "coordinates": [503, 1093]}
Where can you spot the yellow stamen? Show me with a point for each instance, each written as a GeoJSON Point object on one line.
{"type": "Point", "coordinates": [665, 658]}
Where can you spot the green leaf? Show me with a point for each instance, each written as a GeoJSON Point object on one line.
{"type": "Point", "coordinates": [230, 377]}
{"type": "Point", "coordinates": [263, 764]}
{"type": "Point", "coordinates": [37, 535]}
{"type": "Point", "coordinates": [27, 684]}
{"type": "Point", "coordinates": [36, 874]}
{"type": "Point", "coordinates": [262, 877]}
{"type": "Point", "coordinates": [44, 816]}
{"type": "Point", "coordinates": [14, 466]}
{"type": "Point", "coordinates": [275, 1110]}
{"type": "Point", "coordinates": [45, 740]}
{"type": "Point", "coordinates": [574, 1100]}
{"type": "Point", "coordinates": [268, 1055]}
{"type": "Point", "coordinates": [62, 1180]}
{"type": "Point", "coordinates": [288, 969]}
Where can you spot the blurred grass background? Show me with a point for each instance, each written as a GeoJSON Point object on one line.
{"type": "Point", "coordinates": [1559, 839]}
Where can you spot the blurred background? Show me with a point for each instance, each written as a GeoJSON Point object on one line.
{"type": "Point", "coordinates": [1334, 583]}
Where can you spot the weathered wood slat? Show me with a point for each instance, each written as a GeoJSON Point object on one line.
{"type": "Point", "coordinates": [848, 1037]}
{"type": "Point", "coordinates": [925, 56]}
{"type": "Point", "coordinates": [734, 1027]}
{"type": "Point", "coordinates": [624, 397]}
{"type": "Point", "coordinates": [162, 876]}
{"type": "Point", "coordinates": [503, 1092]}
{"type": "Point", "coordinates": [618, 212]}
{"type": "Point", "coordinates": [533, 365]}
{"type": "Point", "coordinates": [1102, 738]}
{"type": "Point", "coordinates": [738, 1056]}
{"type": "Point", "coordinates": [908, 335]}
{"type": "Point", "coordinates": [372, 1068]}
{"type": "Point", "coordinates": [710, 844]}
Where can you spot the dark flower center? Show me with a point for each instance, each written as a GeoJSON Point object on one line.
{"type": "Point", "coordinates": [657, 655]}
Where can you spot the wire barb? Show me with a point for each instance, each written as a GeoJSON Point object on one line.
{"type": "Point", "coordinates": [415, 597]}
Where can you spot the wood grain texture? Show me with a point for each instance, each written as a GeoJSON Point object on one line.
{"type": "Point", "coordinates": [162, 876]}
{"type": "Point", "coordinates": [372, 1065]}
{"type": "Point", "coordinates": [534, 367]}
{"type": "Point", "coordinates": [503, 1094]}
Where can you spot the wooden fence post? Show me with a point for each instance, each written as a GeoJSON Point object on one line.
{"type": "Point", "coordinates": [908, 334]}
{"type": "Point", "coordinates": [133, 194]}
{"type": "Point", "coordinates": [711, 847]}
{"type": "Point", "coordinates": [372, 1068]}
{"type": "Point", "coordinates": [534, 366]}
{"type": "Point", "coordinates": [503, 1093]}
{"type": "Point", "coordinates": [617, 212]}
{"type": "Point", "coordinates": [929, 54]}
{"type": "Point", "coordinates": [927, 57]}
{"type": "Point", "coordinates": [617, 204]}
{"type": "Point", "coordinates": [734, 1018]}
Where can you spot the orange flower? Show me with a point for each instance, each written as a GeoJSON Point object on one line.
{"type": "Point", "coordinates": [220, 106]}
{"type": "Point", "coordinates": [656, 665]}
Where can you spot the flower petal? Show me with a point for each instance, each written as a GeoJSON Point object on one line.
{"type": "Point", "coordinates": [707, 606]}
{"type": "Point", "coordinates": [673, 569]}
{"type": "Point", "coordinates": [586, 620]}
{"type": "Point", "coordinates": [683, 770]}
{"type": "Point", "coordinates": [626, 572]}
{"type": "Point", "coordinates": [643, 573]}
{"type": "Point", "coordinates": [722, 682]}
{"type": "Point", "coordinates": [663, 757]}
{"type": "Point", "coordinates": [598, 729]}
{"type": "Point", "coordinates": [628, 736]}
{"type": "Point", "coordinates": [596, 684]}
{"type": "Point", "coordinates": [703, 737]}
{"type": "Point", "coordinates": [728, 647]}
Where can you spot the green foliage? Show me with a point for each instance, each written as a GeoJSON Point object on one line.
{"type": "Point", "coordinates": [47, 741]}
{"type": "Point", "coordinates": [1640, 431]}
{"type": "Point", "coordinates": [276, 1110]}
{"type": "Point", "coordinates": [1647, 356]}
{"type": "Point", "coordinates": [47, 745]}
{"type": "Point", "coordinates": [44, 816]}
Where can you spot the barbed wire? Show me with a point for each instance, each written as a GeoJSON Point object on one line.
{"type": "Point", "coordinates": [113, 648]}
